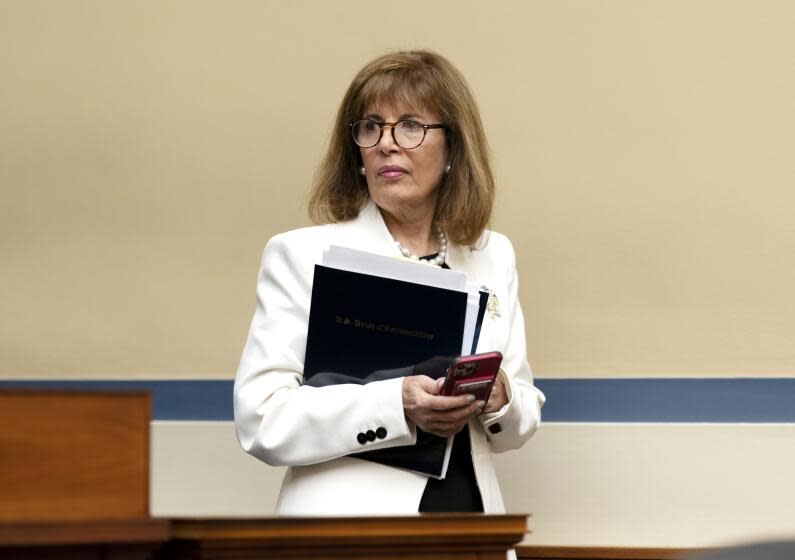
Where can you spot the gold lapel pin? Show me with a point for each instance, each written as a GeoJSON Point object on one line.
{"type": "Point", "coordinates": [493, 305]}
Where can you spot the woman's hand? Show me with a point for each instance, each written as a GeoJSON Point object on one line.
{"type": "Point", "coordinates": [443, 416]}
{"type": "Point", "coordinates": [498, 396]}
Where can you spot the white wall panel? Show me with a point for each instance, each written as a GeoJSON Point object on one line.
{"type": "Point", "coordinates": [682, 485]}
{"type": "Point", "coordinates": [199, 469]}
{"type": "Point", "coordinates": [600, 484]}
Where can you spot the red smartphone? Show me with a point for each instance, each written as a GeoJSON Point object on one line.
{"type": "Point", "coordinates": [472, 375]}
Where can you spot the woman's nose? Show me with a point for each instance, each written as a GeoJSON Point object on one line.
{"type": "Point", "coordinates": [387, 142]}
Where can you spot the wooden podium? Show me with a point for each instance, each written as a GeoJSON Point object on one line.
{"type": "Point", "coordinates": [74, 483]}
{"type": "Point", "coordinates": [419, 537]}
{"type": "Point", "coordinates": [73, 455]}
{"type": "Point", "coordinates": [74, 475]}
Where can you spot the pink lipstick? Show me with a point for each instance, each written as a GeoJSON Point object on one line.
{"type": "Point", "coordinates": [391, 171]}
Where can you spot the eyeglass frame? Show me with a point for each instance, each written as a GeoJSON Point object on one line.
{"type": "Point", "coordinates": [425, 128]}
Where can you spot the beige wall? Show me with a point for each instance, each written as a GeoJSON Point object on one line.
{"type": "Point", "coordinates": [643, 152]}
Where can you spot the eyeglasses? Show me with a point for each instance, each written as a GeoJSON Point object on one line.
{"type": "Point", "coordinates": [406, 134]}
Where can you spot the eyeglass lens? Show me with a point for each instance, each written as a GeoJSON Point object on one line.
{"type": "Point", "coordinates": [407, 134]}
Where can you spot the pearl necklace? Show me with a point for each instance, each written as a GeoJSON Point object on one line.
{"type": "Point", "coordinates": [438, 260]}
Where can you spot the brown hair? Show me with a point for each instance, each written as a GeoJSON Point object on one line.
{"type": "Point", "coordinates": [425, 80]}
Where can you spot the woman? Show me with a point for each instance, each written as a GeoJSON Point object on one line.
{"type": "Point", "coordinates": [406, 173]}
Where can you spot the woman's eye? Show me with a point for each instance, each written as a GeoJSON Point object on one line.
{"type": "Point", "coordinates": [370, 126]}
{"type": "Point", "coordinates": [411, 125]}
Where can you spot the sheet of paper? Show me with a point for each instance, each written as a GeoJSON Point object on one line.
{"type": "Point", "coordinates": [446, 458]}
{"type": "Point", "coordinates": [353, 260]}
{"type": "Point", "coordinates": [470, 322]}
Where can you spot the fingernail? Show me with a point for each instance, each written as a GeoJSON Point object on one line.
{"type": "Point", "coordinates": [481, 404]}
{"type": "Point", "coordinates": [470, 398]}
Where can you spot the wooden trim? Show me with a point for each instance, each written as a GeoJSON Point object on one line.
{"type": "Point", "coordinates": [603, 553]}
{"type": "Point", "coordinates": [429, 527]}
{"type": "Point", "coordinates": [84, 532]}
{"type": "Point", "coordinates": [415, 537]}
{"type": "Point", "coordinates": [418, 536]}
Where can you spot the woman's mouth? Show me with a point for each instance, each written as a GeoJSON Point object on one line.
{"type": "Point", "coordinates": [391, 171]}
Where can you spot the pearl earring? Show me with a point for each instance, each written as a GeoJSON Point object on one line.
{"type": "Point", "coordinates": [447, 169]}
{"type": "Point", "coordinates": [362, 171]}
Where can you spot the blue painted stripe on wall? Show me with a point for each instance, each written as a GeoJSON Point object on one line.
{"type": "Point", "coordinates": [192, 399]}
{"type": "Point", "coordinates": [669, 400]}
{"type": "Point", "coordinates": [568, 400]}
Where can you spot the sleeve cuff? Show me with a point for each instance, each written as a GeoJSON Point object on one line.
{"type": "Point", "coordinates": [490, 419]}
{"type": "Point", "coordinates": [391, 404]}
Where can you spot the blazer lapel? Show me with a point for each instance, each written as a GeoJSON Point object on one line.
{"type": "Point", "coordinates": [368, 232]}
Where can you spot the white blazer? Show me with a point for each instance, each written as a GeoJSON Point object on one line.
{"type": "Point", "coordinates": [314, 429]}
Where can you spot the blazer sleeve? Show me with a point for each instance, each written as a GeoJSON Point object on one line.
{"type": "Point", "coordinates": [280, 421]}
{"type": "Point", "coordinates": [512, 425]}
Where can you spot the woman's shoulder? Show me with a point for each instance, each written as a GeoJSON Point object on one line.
{"type": "Point", "coordinates": [308, 234]}
{"type": "Point", "coordinates": [495, 245]}
{"type": "Point", "coordinates": [347, 233]}
{"type": "Point", "coordinates": [305, 244]}
{"type": "Point", "coordinates": [491, 256]}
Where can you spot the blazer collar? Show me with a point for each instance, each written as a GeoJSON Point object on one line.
{"type": "Point", "coordinates": [370, 233]}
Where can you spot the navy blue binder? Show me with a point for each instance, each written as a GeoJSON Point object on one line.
{"type": "Point", "coordinates": [360, 323]}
